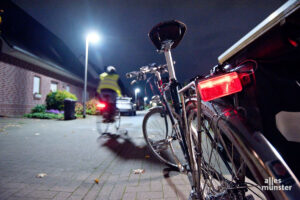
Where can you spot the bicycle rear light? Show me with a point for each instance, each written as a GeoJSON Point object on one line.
{"type": "Point", "coordinates": [101, 105]}
{"type": "Point", "coordinates": [219, 86]}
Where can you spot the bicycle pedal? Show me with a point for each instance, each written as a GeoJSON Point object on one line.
{"type": "Point", "coordinates": [193, 195]}
{"type": "Point", "coordinates": [184, 168]}
{"type": "Point", "coordinates": [169, 139]}
{"type": "Point", "coordinates": [181, 169]}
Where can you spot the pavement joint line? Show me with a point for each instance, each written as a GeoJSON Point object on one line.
{"type": "Point", "coordinates": [100, 189]}
{"type": "Point", "coordinates": [114, 170]}
{"type": "Point", "coordinates": [116, 156]}
{"type": "Point", "coordinates": [55, 195]}
{"type": "Point", "coordinates": [124, 192]}
{"type": "Point", "coordinates": [99, 177]}
{"type": "Point", "coordinates": [16, 192]}
{"type": "Point", "coordinates": [163, 193]}
{"type": "Point", "coordinates": [151, 183]}
{"type": "Point", "coordinates": [129, 175]}
{"type": "Point", "coordinates": [136, 196]}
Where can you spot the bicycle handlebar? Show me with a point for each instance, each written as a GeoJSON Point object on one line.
{"type": "Point", "coordinates": [132, 74]}
{"type": "Point", "coordinates": [148, 69]}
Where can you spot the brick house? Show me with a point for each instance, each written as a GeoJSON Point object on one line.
{"type": "Point", "coordinates": [33, 62]}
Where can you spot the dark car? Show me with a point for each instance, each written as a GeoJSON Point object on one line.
{"type": "Point", "coordinates": [125, 106]}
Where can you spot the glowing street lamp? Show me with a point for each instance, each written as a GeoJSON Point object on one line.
{"type": "Point", "coordinates": [91, 38]}
{"type": "Point", "coordinates": [136, 91]}
{"type": "Point", "coordinates": [145, 99]}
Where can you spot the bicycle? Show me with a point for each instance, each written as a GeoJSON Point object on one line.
{"type": "Point", "coordinates": [219, 125]}
{"type": "Point", "coordinates": [230, 155]}
{"type": "Point", "coordinates": [161, 129]}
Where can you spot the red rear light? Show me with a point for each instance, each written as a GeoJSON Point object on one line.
{"type": "Point", "coordinates": [219, 86]}
{"type": "Point", "coordinates": [101, 105]}
{"type": "Point", "coordinates": [293, 42]}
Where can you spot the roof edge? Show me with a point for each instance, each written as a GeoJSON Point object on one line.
{"type": "Point", "coordinates": [22, 54]}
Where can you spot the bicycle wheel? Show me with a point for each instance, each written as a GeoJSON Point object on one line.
{"type": "Point", "coordinates": [117, 120]}
{"type": "Point", "coordinates": [109, 127]}
{"type": "Point", "coordinates": [223, 172]}
{"type": "Point", "coordinates": [102, 127]}
{"type": "Point", "coordinates": [161, 136]}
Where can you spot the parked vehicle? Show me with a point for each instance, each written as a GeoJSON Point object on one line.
{"type": "Point", "coordinates": [155, 101]}
{"type": "Point", "coordinates": [125, 106]}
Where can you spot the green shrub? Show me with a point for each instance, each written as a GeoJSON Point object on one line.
{"type": "Point", "coordinates": [44, 116]}
{"type": "Point", "coordinates": [147, 107]}
{"type": "Point", "coordinates": [38, 109]}
{"type": "Point", "coordinates": [91, 107]}
{"type": "Point", "coordinates": [55, 100]}
{"type": "Point", "coordinates": [78, 109]}
{"type": "Point", "coordinates": [78, 116]}
{"type": "Point", "coordinates": [51, 103]}
{"type": "Point", "coordinates": [91, 111]}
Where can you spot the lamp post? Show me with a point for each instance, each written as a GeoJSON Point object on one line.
{"type": "Point", "coordinates": [94, 38]}
{"type": "Point", "coordinates": [136, 91]}
{"type": "Point", "coordinates": [145, 100]}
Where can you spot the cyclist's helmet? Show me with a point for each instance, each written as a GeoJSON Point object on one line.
{"type": "Point", "coordinates": [111, 69]}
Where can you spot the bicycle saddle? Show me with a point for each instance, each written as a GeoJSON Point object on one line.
{"type": "Point", "coordinates": [163, 32]}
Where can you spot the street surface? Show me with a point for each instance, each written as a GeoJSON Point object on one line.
{"type": "Point", "coordinates": [72, 155]}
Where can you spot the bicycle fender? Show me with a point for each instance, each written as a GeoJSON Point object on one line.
{"type": "Point", "coordinates": [264, 160]}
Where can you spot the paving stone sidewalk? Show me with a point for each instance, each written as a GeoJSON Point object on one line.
{"type": "Point", "coordinates": [73, 155]}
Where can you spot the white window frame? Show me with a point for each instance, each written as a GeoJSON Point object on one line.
{"type": "Point", "coordinates": [36, 85]}
{"type": "Point", "coordinates": [67, 88]}
{"type": "Point", "coordinates": [51, 86]}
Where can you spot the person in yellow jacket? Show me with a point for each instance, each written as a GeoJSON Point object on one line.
{"type": "Point", "coordinates": [110, 86]}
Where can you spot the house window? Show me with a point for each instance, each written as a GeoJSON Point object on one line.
{"type": "Point", "coordinates": [68, 88]}
{"type": "Point", "coordinates": [53, 86]}
{"type": "Point", "coordinates": [36, 85]}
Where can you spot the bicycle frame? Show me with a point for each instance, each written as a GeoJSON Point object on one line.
{"type": "Point", "coordinates": [172, 76]}
{"type": "Point", "coordinates": [178, 110]}
{"type": "Point", "coordinates": [174, 94]}
{"type": "Point", "coordinates": [264, 159]}
{"type": "Point", "coordinates": [197, 191]}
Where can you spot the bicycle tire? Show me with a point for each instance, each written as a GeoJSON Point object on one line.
{"type": "Point", "coordinates": [208, 171]}
{"type": "Point", "coordinates": [117, 120]}
{"type": "Point", "coordinates": [102, 127]}
{"type": "Point", "coordinates": [155, 137]}
{"type": "Point", "coordinates": [108, 127]}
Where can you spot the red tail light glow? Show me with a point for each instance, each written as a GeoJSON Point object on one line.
{"type": "Point", "coordinates": [219, 86]}
{"type": "Point", "coordinates": [101, 105]}
{"type": "Point", "coordinates": [292, 42]}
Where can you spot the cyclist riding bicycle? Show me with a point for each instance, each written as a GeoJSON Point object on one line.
{"type": "Point", "coordinates": [110, 87]}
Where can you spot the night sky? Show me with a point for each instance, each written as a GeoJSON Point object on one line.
{"type": "Point", "coordinates": [212, 27]}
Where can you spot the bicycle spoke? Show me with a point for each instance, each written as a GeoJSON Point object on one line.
{"type": "Point", "coordinates": [161, 138]}
{"type": "Point", "coordinates": [214, 169]}
{"type": "Point", "coordinates": [209, 178]}
{"type": "Point", "coordinates": [255, 192]}
{"type": "Point", "coordinates": [160, 145]}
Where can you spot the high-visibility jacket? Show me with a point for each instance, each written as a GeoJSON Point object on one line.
{"type": "Point", "coordinates": [109, 81]}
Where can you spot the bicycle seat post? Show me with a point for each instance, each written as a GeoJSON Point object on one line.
{"type": "Point", "coordinates": [166, 47]}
